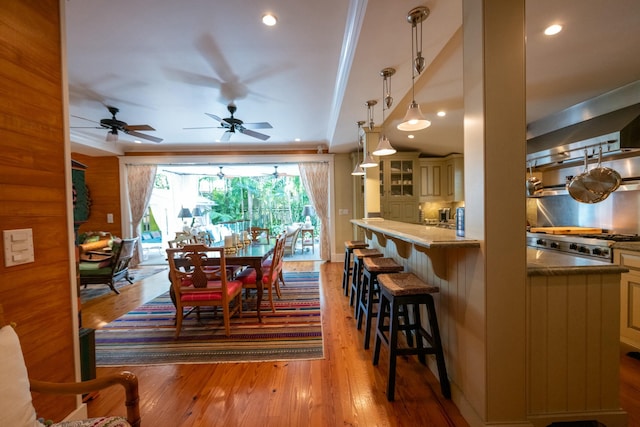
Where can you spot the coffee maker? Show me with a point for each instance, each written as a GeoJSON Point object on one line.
{"type": "Point", "coordinates": [444, 214]}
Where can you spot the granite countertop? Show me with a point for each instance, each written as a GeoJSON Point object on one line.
{"type": "Point", "coordinates": [425, 236]}
{"type": "Point", "coordinates": [628, 246]}
{"type": "Point", "coordinates": [551, 263]}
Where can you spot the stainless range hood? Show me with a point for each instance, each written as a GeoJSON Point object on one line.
{"type": "Point", "coordinates": [616, 132]}
{"type": "Point", "coordinates": [610, 121]}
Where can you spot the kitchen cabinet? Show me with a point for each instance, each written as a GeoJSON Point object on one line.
{"type": "Point", "coordinates": [629, 296]}
{"type": "Point", "coordinates": [399, 187]}
{"type": "Point", "coordinates": [442, 179]}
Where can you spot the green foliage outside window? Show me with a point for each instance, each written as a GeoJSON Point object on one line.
{"type": "Point", "coordinates": [265, 201]}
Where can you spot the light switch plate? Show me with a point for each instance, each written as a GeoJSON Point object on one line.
{"type": "Point", "coordinates": [18, 246]}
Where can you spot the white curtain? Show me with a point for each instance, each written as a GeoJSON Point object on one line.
{"type": "Point", "coordinates": [315, 178]}
{"type": "Point", "coordinates": [140, 179]}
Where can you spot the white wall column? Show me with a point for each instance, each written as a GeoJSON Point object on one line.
{"type": "Point", "coordinates": [494, 133]}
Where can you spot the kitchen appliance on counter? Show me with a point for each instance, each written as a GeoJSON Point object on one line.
{"type": "Point", "coordinates": [444, 214]}
{"type": "Point", "coordinates": [596, 245]}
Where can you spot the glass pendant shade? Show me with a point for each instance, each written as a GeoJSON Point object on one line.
{"type": "Point", "coordinates": [112, 136]}
{"type": "Point", "coordinates": [414, 120]}
{"type": "Point", "coordinates": [368, 162]}
{"type": "Point", "coordinates": [384, 147]}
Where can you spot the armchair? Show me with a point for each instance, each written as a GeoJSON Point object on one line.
{"type": "Point", "coordinates": [292, 234]}
{"type": "Point", "coordinates": [111, 269]}
{"type": "Point", "coordinates": [16, 408]}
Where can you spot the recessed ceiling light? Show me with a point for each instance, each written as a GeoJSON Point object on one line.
{"type": "Point", "coordinates": [137, 141]}
{"type": "Point", "coordinates": [553, 29]}
{"type": "Point", "coordinates": [410, 136]}
{"type": "Point", "coordinates": [297, 140]}
{"type": "Point", "coordinates": [442, 113]}
{"type": "Point", "coordinates": [269, 20]}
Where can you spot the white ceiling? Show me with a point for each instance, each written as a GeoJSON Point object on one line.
{"type": "Point", "coordinates": [165, 63]}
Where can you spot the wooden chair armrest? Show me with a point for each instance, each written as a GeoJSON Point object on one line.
{"type": "Point", "coordinates": [126, 379]}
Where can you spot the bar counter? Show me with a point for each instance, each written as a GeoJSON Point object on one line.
{"type": "Point", "coordinates": [565, 312]}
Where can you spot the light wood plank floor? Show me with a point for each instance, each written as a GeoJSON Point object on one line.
{"type": "Point", "coordinates": [344, 389]}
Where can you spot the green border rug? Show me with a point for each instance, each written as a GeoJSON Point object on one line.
{"type": "Point", "coordinates": [145, 336]}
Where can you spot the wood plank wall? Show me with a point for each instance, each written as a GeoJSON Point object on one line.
{"type": "Point", "coordinates": [103, 180]}
{"type": "Point", "coordinates": [37, 296]}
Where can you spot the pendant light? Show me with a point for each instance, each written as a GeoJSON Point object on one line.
{"type": "Point", "coordinates": [358, 171]}
{"type": "Point", "coordinates": [384, 147]}
{"type": "Point", "coordinates": [414, 120]}
{"type": "Point", "coordinates": [368, 161]}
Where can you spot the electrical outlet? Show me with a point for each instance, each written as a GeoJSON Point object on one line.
{"type": "Point", "coordinates": [110, 218]}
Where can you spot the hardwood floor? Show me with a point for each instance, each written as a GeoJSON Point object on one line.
{"type": "Point", "coordinates": [343, 389]}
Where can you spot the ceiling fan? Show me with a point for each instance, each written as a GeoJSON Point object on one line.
{"type": "Point", "coordinates": [114, 125]}
{"type": "Point", "coordinates": [233, 125]}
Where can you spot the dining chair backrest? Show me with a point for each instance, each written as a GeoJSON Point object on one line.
{"type": "Point", "coordinates": [259, 234]}
{"type": "Point", "coordinates": [198, 276]}
{"type": "Point", "coordinates": [196, 264]}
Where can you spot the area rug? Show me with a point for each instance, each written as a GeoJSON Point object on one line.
{"type": "Point", "coordinates": [145, 336]}
{"type": "Point", "coordinates": [136, 274]}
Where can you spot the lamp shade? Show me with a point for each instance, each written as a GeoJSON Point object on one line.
{"type": "Point", "coordinates": [307, 211]}
{"type": "Point", "coordinates": [184, 213]}
{"type": "Point", "coordinates": [358, 171]}
{"type": "Point", "coordinates": [368, 162]}
{"type": "Point", "coordinates": [414, 120]}
{"type": "Point", "coordinates": [197, 212]}
{"type": "Point", "coordinates": [384, 147]}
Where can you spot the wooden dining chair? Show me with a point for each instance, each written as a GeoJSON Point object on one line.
{"type": "Point", "coordinates": [259, 235]}
{"type": "Point", "coordinates": [199, 278]}
{"type": "Point", "coordinates": [270, 273]}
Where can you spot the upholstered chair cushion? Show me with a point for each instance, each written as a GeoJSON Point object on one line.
{"type": "Point", "coordinates": [16, 408]}
{"type": "Point", "coordinates": [95, 422]}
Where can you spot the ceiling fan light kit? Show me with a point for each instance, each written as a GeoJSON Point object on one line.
{"type": "Point", "coordinates": [414, 120]}
{"type": "Point", "coordinates": [232, 124]}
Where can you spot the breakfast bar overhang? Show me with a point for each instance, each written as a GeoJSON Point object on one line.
{"type": "Point", "coordinates": [571, 334]}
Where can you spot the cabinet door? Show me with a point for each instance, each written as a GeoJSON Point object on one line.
{"type": "Point", "coordinates": [630, 298]}
{"type": "Point", "coordinates": [431, 181]}
{"type": "Point", "coordinates": [401, 178]}
{"type": "Point", "coordinates": [402, 211]}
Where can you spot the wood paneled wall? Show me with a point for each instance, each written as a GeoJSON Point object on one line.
{"type": "Point", "coordinates": [37, 296]}
{"type": "Point", "coordinates": [103, 180]}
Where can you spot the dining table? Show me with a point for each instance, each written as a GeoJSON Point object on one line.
{"type": "Point", "coordinates": [250, 255]}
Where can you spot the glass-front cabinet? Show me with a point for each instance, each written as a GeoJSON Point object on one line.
{"type": "Point", "coordinates": [399, 181]}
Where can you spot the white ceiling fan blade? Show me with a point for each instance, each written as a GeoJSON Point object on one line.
{"type": "Point", "coordinates": [225, 136]}
{"type": "Point", "coordinates": [214, 117]}
{"type": "Point", "coordinates": [258, 125]}
{"type": "Point", "coordinates": [254, 134]}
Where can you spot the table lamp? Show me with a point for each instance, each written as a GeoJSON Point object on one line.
{"type": "Point", "coordinates": [307, 212]}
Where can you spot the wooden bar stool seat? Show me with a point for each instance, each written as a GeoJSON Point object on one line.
{"type": "Point", "coordinates": [349, 246]}
{"type": "Point", "coordinates": [369, 290]}
{"type": "Point", "coordinates": [408, 289]}
{"type": "Point", "coordinates": [356, 279]}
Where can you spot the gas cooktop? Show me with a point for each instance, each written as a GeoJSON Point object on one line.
{"type": "Point", "coordinates": [612, 237]}
{"type": "Point", "coordinates": [585, 245]}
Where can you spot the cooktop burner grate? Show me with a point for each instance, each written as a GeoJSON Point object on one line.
{"type": "Point", "coordinates": [613, 237]}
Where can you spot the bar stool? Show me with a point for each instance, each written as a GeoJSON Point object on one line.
{"type": "Point", "coordinates": [369, 291]}
{"type": "Point", "coordinates": [407, 288]}
{"type": "Point", "coordinates": [356, 280]}
{"type": "Point", "coordinates": [349, 246]}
